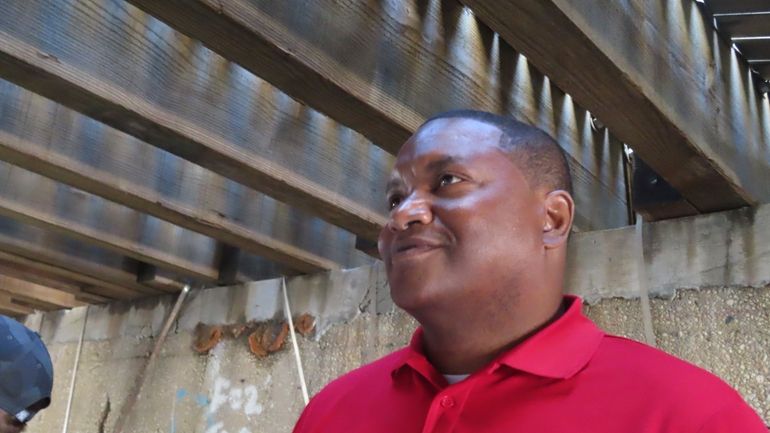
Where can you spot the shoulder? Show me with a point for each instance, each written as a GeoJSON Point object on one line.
{"type": "Point", "coordinates": [666, 382]}
{"type": "Point", "coordinates": [656, 369]}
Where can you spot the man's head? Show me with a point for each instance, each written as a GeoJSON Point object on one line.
{"type": "Point", "coordinates": [480, 215]}
{"type": "Point", "coordinates": [26, 375]}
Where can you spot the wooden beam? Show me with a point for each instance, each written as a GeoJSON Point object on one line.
{"type": "Point", "coordinates": [116, 166]}
{"type": "Point", "coordinates": [737, 6]}
{"type": "Point", "coordinates": [10, 307]}
{"type": "Point", "coordinates": [104, 271]}
{"type": "Point", "coordinates": [57, 207]}
{"type": "Point", "coordinates": [37, 294]}
{"type": "Point", "coordinates": [198, 95]}
{"type": "Point", "coordinates": [43, 278]}
{"type": "Point", "coordinates": [660, 78]}
{"type": "Point", "coordinates": [451, 61]}
{"type": "Point", "coordinates": [744, 25]}
{"type": "Point", "coordinates": [291, 62]}
{"type": "Point", "coordinates": [96, 286]}
{"type": "Point", "coordinates": [255, 135]}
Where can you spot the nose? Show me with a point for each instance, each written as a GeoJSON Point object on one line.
{"type": "Point", "coordinates": [413, 209]}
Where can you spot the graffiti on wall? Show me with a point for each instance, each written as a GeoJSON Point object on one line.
{"type": "Point", "coordinates": [236, 402]}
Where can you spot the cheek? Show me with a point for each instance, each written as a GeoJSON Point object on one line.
{"type": "Point", "coordinates": [494, 232]}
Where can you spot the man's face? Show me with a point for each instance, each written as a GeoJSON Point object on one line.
{"type": "Point", "coordinates": [9, 424]}
{"type": "Point", "coordinates": [464, 222]}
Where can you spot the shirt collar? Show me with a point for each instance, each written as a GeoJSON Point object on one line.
{"type": "Point", "coordinates": [558, 351]}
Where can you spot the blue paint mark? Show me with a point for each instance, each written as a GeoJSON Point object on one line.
{"type": "Point", "coordinates": [209, 420]}
{"type": "Point", "coordinates": [202, 400]}
{"type": "Point", "coordinates": [181, 393]}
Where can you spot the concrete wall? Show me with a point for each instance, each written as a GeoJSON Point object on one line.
{"type": "Point", "coordinates": [709, 277]}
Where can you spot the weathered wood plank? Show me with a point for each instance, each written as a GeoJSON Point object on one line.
{"type": "Point", "coordinates": [36, 294]}
{"type": "Point", "coordinates": [10, 307]}
{"type": "Point", "coordinates": [108, 163]}
{"type": "Point", "coordinates": [105, 272]}
{"type": "Point", "coordinates": [115, 64]}
{"type": "Point", "coordinates": [95, 286]}
{"type": "Point", "coordinates": [43, 278]}
{"type": "Point", "coordinates": [91, 219]}
{"type": "Point", "coordinates": [744, 25]}
{"type": "Point", "coordinates": [737, 6]}
{"type": "Point", "coordinates": [383, 69]}
{"type": "Point", "coordinates": [650, 72]}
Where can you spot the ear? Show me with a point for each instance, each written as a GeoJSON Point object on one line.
{"type": "Point", "coordinates": [559, 213]}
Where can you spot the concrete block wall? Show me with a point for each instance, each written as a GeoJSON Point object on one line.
{"type": "Point", "coordinates": [709, 278]}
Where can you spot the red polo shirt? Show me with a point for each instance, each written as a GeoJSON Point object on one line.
{"type": "Point", "coordinates": [569, 377]}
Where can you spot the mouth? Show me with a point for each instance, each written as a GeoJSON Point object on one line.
{"type": "Point", "coordinates": [414, 248]}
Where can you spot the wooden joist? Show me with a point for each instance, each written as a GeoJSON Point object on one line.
{"type": "Point", "coordinates": [104, 272]}
{"type": "Point", "coordinates": [122, 169]}
{"type": "Point", "coordinates": [247, 34]}
{"type": "Point", "coordinates": [382, 71]}
{"type": "Point", "coordinates": [35, 294]}
{"type": "Point", "coordinates": [115, 64]}
{"type": "Point", "coordinates": [651, 73]}
{"type": "Point", "coordinates": [10, 307]}
{"type": "Point", "coordinates": [36, 200]}
{"type": "Point", "coordinates": [102, 289]}
{"type": "Point", "coordinates": [41, 277]}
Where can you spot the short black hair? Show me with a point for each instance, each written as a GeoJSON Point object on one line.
{"type": "Point", "coordinates": [536, 153]}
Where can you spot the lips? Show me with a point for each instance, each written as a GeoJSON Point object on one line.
{"type": "Point", "coordinates": [413, 246]}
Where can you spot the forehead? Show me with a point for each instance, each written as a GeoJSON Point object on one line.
{"type": "Point", "coordinates": [458, 138]}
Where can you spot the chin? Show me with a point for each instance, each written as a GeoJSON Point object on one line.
{"type": "Point", "coordinates": [409, 296]}
{"type": "Point", "coordinates": [417, 296]}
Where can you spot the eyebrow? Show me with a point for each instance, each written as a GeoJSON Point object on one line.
{"type": "Point", "coordinates": [433, 166]}
{"type": "Point", "coordinates": [393, 184]}
{"type": "Point", "coordinates": [441, 164]}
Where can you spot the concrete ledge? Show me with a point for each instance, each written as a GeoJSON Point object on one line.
{"type": "Point", "coordinates": [726, 249]}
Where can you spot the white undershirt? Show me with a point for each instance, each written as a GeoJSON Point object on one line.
{"type": "Point", "coordinates": [454, 378]}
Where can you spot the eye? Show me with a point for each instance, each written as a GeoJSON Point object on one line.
{"type": "Point", "coordinates": [394, 201]}
{"type": "Point", "coordinates": [448, 179]}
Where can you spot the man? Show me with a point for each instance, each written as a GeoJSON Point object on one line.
{"type": "Point", "coordinates": [475, 250]}
{"type": "Point", "coordinates": [26, 375]}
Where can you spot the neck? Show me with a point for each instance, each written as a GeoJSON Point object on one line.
{"type": "Point", "coordinates": [462, 345]}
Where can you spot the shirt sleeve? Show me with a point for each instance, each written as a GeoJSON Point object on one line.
{"type": "Point", "coordinates": [736, 417]}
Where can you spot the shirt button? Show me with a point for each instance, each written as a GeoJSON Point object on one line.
{"type": "Point", "coordinates": [447, 402]}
